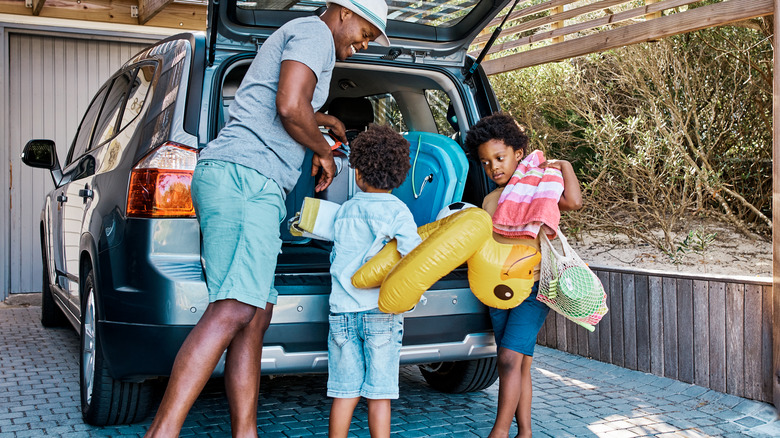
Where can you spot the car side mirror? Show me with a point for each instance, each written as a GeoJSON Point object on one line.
{"type": "Point", "coordinates": [42, 153]}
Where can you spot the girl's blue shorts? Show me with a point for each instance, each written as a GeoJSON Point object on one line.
{"type": "Point", "coordinates": [239, 211]}
{"type": "Point", "coordinates": [516, 329]}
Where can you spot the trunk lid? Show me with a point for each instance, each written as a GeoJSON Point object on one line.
{"type": "Point", "coordinates": [431, 32]}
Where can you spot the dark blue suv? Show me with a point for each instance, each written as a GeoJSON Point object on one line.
{"type": "Point", "coordinates": [121, 244]}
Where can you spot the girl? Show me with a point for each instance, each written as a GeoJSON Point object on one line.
{"type": "Point", "coordinates": [500, 145]}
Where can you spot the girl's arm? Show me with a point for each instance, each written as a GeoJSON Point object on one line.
{"type": "Point", "coordinates": [571, 198]}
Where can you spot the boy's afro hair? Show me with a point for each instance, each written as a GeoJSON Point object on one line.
{"type": "Point", "coordinates": [382, 157]}
{"type": "Point", "coordinates": [498, 126]}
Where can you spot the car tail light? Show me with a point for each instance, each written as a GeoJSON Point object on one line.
{"type": "Point", "coordinates": [160, 183]}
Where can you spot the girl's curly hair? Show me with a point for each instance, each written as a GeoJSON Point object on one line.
{"type": "Point", "coordinates": [382, 157]}
{"type": "Point", "coordinates": [498, 126]}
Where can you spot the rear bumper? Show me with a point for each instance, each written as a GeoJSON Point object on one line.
{"type": "Point", "coordinates": [277, 361]}
{"type": "Point", "coordinates": [138, 352]}
{"type": "Point", "coordinates": [451, 325]}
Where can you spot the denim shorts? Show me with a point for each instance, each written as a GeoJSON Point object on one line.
{"type": "Point", "coordinates": [516, 329]}
{"type": "Point", "coordinates": [239, 211]}
{"type": "Point", "coordinates": [364, 349]}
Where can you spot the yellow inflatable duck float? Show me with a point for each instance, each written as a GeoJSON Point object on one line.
{"type": "Point", "coordinates": [500, 275]}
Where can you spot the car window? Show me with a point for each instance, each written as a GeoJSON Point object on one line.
{"type": "Point", "coordinates": [105, 128]}
{"type": "Point", "coordinates": [84, 134]}
{"type": "Point", "coordinates": [431, 13]}
{"type": "Point", "coordinates": [139, 90]}
{"type": "Point", "coordinates": [387, 112]}
{"type": "Point", "coordinates": [439, 103]}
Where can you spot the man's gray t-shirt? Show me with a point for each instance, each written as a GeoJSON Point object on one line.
{"type": "Point", "coordinates": [254, 135]}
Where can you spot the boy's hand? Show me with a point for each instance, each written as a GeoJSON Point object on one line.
{"type": "Point", "coordinates": [328, 167]}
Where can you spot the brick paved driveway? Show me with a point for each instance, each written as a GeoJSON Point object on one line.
{"type": "Point", "coordinates": [574, 397]}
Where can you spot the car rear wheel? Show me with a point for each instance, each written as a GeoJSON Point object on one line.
{"type": "Point", "coordinates": [462, 376]}
{"type": "Point", "coordinates": [51, 314]}
{"type": "Point", "coordinates": [104, 400]}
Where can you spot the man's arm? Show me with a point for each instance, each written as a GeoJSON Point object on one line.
{"type": "Point", "coordinates": [293, 104]}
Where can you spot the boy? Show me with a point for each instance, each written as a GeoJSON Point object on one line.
{"type": "Point", "coordinates": [364, 344]}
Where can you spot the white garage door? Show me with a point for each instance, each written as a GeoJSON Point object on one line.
{"type": "Point", "coordinates": [50, 84]}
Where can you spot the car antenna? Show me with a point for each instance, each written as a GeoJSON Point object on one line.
{"type": "Point", "coordinates": [489, 44]}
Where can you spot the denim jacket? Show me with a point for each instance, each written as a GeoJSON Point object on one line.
{"type": "Point", "coordinates": [363, 225]}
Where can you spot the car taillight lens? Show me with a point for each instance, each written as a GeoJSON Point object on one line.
{"type": "Point", "coordinates": [160, 183]}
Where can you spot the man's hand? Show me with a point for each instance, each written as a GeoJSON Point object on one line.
{"type": "Point", "coordinates": [328, 167]}
{"type": "Point", "coordinates": [333, 124]}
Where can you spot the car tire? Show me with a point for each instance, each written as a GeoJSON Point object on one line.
{"type": "Point", "coordinates": [51, 314]}
{"type": "Point", "coordinates": [462, 376]}
{"type": "Point", "coordinates": [104, 400]}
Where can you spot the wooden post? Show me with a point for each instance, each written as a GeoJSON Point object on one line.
{"type": "Point", "coordinates": [776, 215]}
{"type": "Point", "coordinates": [557, 24]}
{"type": "Point", "coordinates": [653, 14]}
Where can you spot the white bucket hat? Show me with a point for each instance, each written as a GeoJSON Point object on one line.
{"type": "Point", "coordinates": [374, 11]}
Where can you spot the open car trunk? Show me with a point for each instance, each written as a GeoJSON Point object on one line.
{"type": "Point", "coordinates": [422, 104]}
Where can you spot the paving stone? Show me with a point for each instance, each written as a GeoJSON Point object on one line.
{"type": "Point", "coordinates": [640, 432]}
{"type": "Point", "coordinates": [730, 401]}
{"type": "Point", "coordinates": [750, 422]}
{"type": "Point", "coordinates": [711, 431]}
{"type": "Point", "coordinates": [703, 421]}
{"type": "Point", "coordinates": [729, 415]}
{"type": "Point", "coordinates": [619, 434]}
{"type": "Point", "coordinates": [678, 398]}
{"type": "Point", "coordinates": [731, 427]}
{"type": "Point", "coordinates": [748, 407]}
{"type": "Point", "coordinates": [15, 427]}
{"type": "Point", "coordinates": [641, 421]}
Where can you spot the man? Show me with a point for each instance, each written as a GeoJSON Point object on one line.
{"type": "Point", "coordinates": [238, 190]}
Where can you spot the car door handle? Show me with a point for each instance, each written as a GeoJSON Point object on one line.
{"type": "Point", "coordinates": [86, 192]}
{"type": "Point", "coordinates": [62, 198]}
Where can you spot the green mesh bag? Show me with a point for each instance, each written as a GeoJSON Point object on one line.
{"type": "Point", "coordinates": [568, 286]}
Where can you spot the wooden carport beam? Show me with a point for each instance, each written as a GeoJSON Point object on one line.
{"type": "Point", "coordinates": [717, 14]}
{"type": "Point", "coordinates": [37, 6]}
{"type": "Point", "coordinates": [147, 9]}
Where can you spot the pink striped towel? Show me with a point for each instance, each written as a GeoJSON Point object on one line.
{"type": "Point", "coordinates": [530, 200]}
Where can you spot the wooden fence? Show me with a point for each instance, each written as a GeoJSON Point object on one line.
{"type": "Point", "coordinates": [712, 331]}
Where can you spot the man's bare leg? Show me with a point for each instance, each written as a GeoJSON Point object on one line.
{"type": "Point", "coordinates": [242, 373]}
{"type": "Point", "coordinates": [195, 362]}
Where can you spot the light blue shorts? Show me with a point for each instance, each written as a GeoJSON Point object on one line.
{"type": "Point", "coordinates": [364, 349]}
{"type": "Point", "coordinates": [517, 328]}
{"type": "Point", "coordinates": [239, 211]}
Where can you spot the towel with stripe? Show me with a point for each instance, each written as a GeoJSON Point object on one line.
{"type": "Point", "coordinates": [530, 200]}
